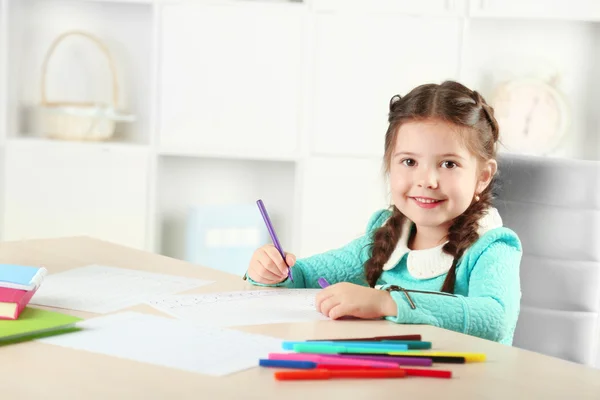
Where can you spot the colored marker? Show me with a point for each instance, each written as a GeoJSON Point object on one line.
{"type": "Point", "coordinates": [469, 357]}
{"type": "Point", "coordinates": [435, 359]}
{"type": "Point", "coordinates": [328, 374]}
{"type": "Point", "coordinates": [432, 373]}
{"type": "Point", "coordinates": [389, 347]}
{"type": "Point", "coordinates": [274, 238]}
{"type": "Point", "coordinates": [336, 349]}
{"type": "Point", "coordinates": [413, 361]}
{"type": "Point", "coordinates": [297, 364]}
{"type": "Point", "coordinates": [323, 282]}
{"type": "Point", "coordinates": [323, 359]}
{"type": "Point", "coordinates": [411, 344]}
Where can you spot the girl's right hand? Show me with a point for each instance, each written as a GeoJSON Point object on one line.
{"type": "Point", "coordinates": [267, 266]}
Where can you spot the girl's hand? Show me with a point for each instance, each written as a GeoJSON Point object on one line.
{"type": "Point", "coordinates": [347, 299]}
{"type": "Point", "coordinates": [267, 266]}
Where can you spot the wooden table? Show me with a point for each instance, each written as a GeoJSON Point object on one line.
{"type": "Point", "coordinates": [34, 370]}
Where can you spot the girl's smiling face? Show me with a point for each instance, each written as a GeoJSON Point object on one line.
{"type": "Point", "coordinates": [433, 175]}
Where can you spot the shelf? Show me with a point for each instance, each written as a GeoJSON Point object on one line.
{"type": "Point", "coordinates": [54, 189]}
{"type": "Point", "coordinates": [127, 2]}
{"type": "Point", "coordinates": [404, 7]}
{"type": "Point", "coordinates": [34, 142]}
{"type": "Point", "coordinates": [249, 4]}
{"type": "Point", "coordinates": [77, 70]}
{"type": "Point", "coordinates": [186, 183]}
{"type": "Point", "coordinates": [369, 156]}
{"type": "Point", "coordinates": [190, 152]}
{"type": "Point", "coordinates": [573, 10]}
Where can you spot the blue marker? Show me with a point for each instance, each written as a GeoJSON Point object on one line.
{"type": "Point", "coordinates": [287, 364]}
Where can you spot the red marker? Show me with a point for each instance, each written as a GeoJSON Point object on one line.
{"type": "Point", "coordinates": [430, 373]}
{"type": "Point", "coordinates": [329, 374]}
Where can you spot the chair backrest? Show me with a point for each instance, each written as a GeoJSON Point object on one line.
{"type": "Point", "coordinates": [224, 237]}
{"type": "Point", "coordinates": [554, 206]}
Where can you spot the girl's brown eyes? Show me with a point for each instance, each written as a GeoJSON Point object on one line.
{"type": "Point", "coordinates": [409, 162]}
{"type": "Point", "coordinates": [449, 164]}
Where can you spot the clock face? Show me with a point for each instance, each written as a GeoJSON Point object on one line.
{"type": "Point", "coordinates": [531, 116]}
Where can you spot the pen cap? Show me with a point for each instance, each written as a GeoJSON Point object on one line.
{"type": "Point", "coordinates": [323, 282]}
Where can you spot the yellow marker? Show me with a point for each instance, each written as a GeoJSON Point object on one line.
{"type": "Point", "coordinates": [469, 357]}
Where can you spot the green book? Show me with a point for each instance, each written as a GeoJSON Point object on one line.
{"type": "Point", "coordinates": [35, 323]}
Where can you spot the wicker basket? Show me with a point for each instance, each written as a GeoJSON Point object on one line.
{"type": "Point", "coordinates": [80, 120]}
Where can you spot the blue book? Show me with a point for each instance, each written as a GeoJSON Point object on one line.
{"type": "Point", "coordinates": [21, 277]}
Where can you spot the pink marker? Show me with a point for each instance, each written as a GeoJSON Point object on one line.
{"type": "Point", "coordinates": [331, 360]}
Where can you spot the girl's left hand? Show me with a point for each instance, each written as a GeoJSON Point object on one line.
{"type": "Point", "coordinates": [347, 299]}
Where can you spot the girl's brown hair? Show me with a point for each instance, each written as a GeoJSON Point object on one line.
{"type": "Point", "coordinates": [456, 104]}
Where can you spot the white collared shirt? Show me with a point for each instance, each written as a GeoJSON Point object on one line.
{"type": "Point", "coordinates": [433, 262]}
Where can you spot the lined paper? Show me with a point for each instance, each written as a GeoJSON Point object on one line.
{"type": "Point", "coordinates": [240, 308]}
{"type": "Point", "coordinates": [169, 343]}
{"type": "Point", "coordinates": [102, 289]}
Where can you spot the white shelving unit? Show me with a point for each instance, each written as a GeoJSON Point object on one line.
{"type": "Point", "coordinates": [239, 100]}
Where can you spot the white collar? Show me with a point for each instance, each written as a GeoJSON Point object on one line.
{"type": "Point", "coordinates": [429, 263]}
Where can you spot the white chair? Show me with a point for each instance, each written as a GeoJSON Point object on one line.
{"type": "Point", "coordinates": [554, 206]}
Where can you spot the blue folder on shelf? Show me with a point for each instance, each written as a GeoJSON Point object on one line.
{"type": "Point", "coordinates": [224, 237]}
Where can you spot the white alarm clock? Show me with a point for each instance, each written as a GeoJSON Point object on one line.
{"type": "Point", "coordinates": [533, 116]}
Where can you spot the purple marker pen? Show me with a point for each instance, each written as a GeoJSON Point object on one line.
{"type": "Point", "coordinates": [271, 230]}
{"type": "Point", "coordinates": [323, 282]}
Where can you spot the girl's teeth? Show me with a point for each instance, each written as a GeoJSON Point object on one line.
{"type": "Point", "coordinates": [426, 200]}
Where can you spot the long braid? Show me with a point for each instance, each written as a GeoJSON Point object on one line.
{"type": "Point", "coordinates": [384, 242]}
{"type": "Point", "coordinates": [463, 233]}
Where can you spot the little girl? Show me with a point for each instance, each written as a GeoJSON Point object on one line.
{"type": "Point", "coordinates": [440, 255]}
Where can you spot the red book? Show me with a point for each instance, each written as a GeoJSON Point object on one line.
{"type": "Point", "coordinates": [13, 301]}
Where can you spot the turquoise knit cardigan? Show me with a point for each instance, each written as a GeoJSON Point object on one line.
{"type": "Point", "coordinates": [487, 294]}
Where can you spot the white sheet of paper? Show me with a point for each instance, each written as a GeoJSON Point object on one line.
{"type": "Point", "coordinates": [253, 307]}
{"type": "Point", "coordinates": [169, 342]}
{"type": "Point", "coordinates": [101, 289]}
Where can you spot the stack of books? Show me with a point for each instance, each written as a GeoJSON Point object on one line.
{"type": "Point", "coordinates": [18, 322]}
{"type": "Point", "coordinates": [18, 284]}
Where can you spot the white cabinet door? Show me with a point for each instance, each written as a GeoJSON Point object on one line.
{"type": "Point", "coordinates": [338, 196]}
{"type": "Point", "coordinates": [586, 10]}
{"type": "Point", "coordinates": [230, 80]}
{"type": "Point", "coordinates": [361, 62]}
{"type": "Point", "coordinates": [66, 189]}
